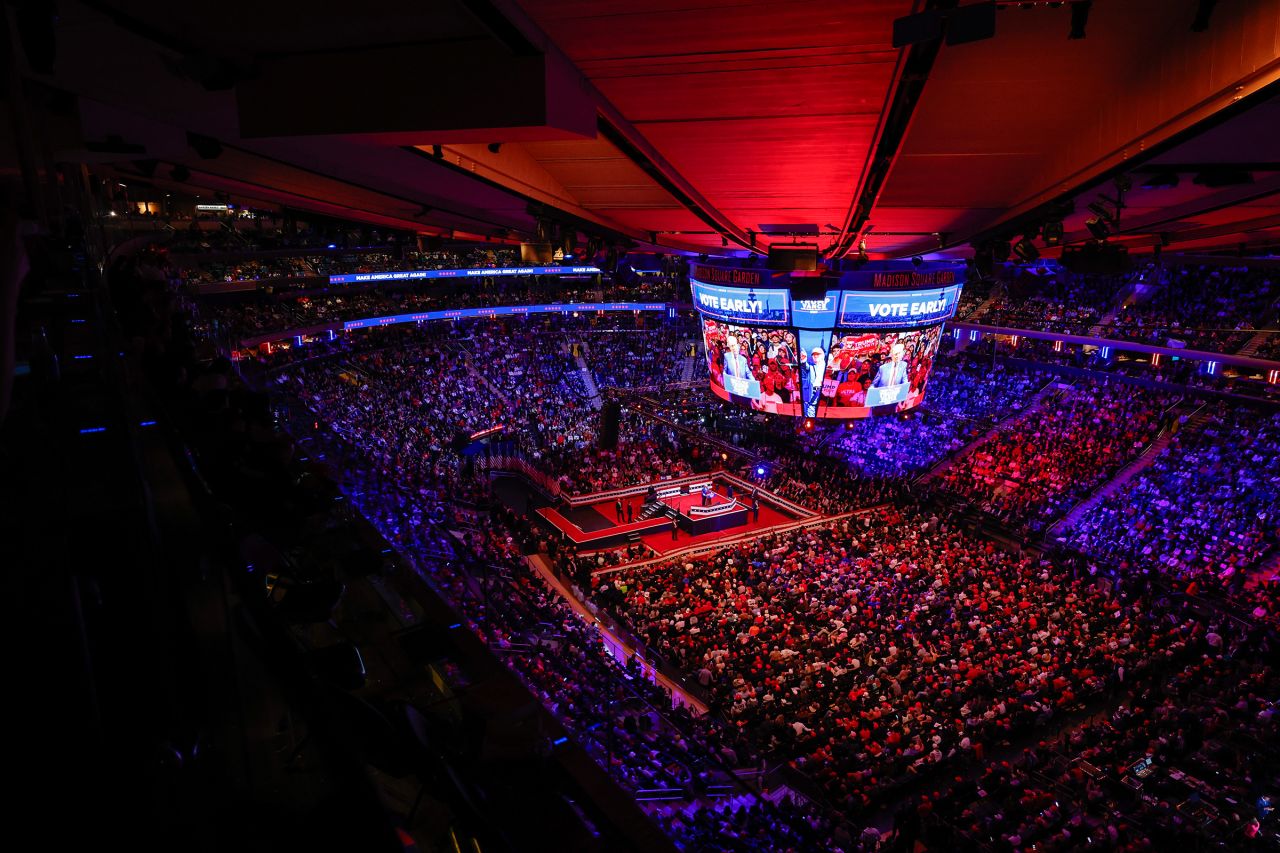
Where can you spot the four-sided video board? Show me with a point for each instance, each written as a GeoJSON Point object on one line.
{"type": "Point", "coordinates": [846, 345]}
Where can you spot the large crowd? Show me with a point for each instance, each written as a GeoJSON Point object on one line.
{"type": "Point", "coordinates": [1063, 303]}
{"type": "Point", "coordinates": [626, 722]}
{"type": "Point", "coordinates": [1206, 308]}
{"type": "Point", "coordinates": [1204, 513]}
{"type": "Point", "coordinates": [885, 647]}
{"type": "Point", "coordinates": [1037, 468]}
{"type": "Point", "coordinates": [255, 313]}
{"type": "Point", "coordinates": [1213, 308]}
{"type": "Point", "coordinates": [965, 398]}
{"type": "Point", "coordinates": [1182, 763]}
{"type": "Point", "coordinates": [640, 358]}
{"type": "Point", "coordinates": [285, 310]}
{"type": "Point", "coordinates": [265, 266]}
{"type": "Point", "coordinates": [405, 402]}
{"type": "Point", "coordinates": [887, 658]}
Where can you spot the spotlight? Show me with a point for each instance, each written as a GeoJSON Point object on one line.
{"type": "Point", "coordinates": [917, 261]}
{"type": "Point", "coordinates": [1026, 250]}
{"type": "Point", "coordinates": [1098, 228]}
{"type": "Point", "coordinates": [1052, 233]}
{"type": "Point", "coordinates": [760, 471]}
{"type": "Point", "coordinates": [1204, 11]}
{"type": "Point", "coordinates": [495, 147]}
{"type": "Point", "coordinates": [1079, 18]}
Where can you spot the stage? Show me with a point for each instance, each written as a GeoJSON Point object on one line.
{"type": "Point", "coordinates": [592, 522]}
{"type": "Point", "coordinates": [695, 513]}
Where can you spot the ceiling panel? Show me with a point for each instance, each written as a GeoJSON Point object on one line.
{"type": "Point", "coordinates": [763, 108]}
{"type": "Point", "coordinates": [1011, 123]}
{"type": "Point", "coordinates": [756, 111]}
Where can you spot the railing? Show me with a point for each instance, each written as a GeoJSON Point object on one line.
{"type": "Point", "coordinates": [729, 542]}
{"type": "Point", "coordinates": [1122, 345]}
{"type": "Point", "coordinates": [776, 500]}
{"type": "Point", "coordinates": [628, 491]}
{"type": "Point", "coordinates": [711, 511]}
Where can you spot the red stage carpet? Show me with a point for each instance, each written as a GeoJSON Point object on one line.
{"type": "Point", "coordinates": [769, 517]}
{"type": "Point", "coordinates": [598, 525]}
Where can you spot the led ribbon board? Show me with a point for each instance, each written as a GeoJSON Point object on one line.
{"type": "Point", "coordinates": [750, 306]}
{"type": "Point", "coordinates": [500, 311]}
{"type": "Point", "coordinates": [483, 272]}
{"type": "Point", "coordinates": [896, 309]}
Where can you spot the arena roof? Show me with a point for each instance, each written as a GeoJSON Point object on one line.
{"type": "Point", "coordinates": [691, 126]}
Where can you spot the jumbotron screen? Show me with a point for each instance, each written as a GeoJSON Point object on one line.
{"type": "Point", "coordinates": [855, 346]}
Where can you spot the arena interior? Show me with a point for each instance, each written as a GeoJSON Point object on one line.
{"type": "Point", "coordinates": [522, 425]}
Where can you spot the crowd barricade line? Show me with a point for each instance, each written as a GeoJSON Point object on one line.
{"type": "Point", "coordinates": [720, 544]}
{"type": "Point", "coordinates": [776, 500]}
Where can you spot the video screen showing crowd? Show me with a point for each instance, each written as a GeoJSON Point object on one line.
{"type": "Point", "coordinates": [855, 345]}
{"type": "Point", "coordinates": [849, 375]}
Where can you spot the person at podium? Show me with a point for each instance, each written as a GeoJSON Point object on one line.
{"type": "Point", "coordinates": [890, 385]}
{"type": "Point", "coordinates": [894, 371]}
{"type": "Point", "coordinates": [735, 363]}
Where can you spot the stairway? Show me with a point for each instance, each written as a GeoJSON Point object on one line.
{"type": "Point", "coordinates": [1268, 569]}
{"type": "Point", "coordinates": [1102, 328]}
{"type": "Point", "coordinates": [1251, 346]}
{"type": "Point", "coordinates": [588, 380]}
{"type": "Point", "coordinates": [1104, 325]}
{"type": "Point", "coordinates": [980, 310]}
{"type": "Point", "coordinates": [1049, 391]}
{"type": "Point", "coordinates": [1116, 483]}
{"type": "Point", "coordinates": [482, 381]}
{"type": "Point", "coordinates": [652, 510]}
{"type": "Point", "coordinates": [1127, 473]}
{"type": "Point", "coordinates": [686, 372]}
